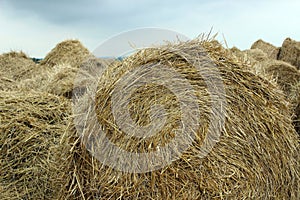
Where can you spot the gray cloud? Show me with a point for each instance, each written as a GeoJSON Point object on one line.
{"type": "Point", "coordinates": [37, 25]}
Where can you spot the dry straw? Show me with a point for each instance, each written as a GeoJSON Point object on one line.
{"type": "Point", "coordinates": [249, 56]}
{"type": "Point", "coordinates": [68, 52]}
{"type": "Point", "coordinates": [15, 67]}
{"type": "Point", "coordinates": [60, 79]}
{"type": "Point", "coordinates": [290, 52]}
{"type": "Point", "coordinates": [295, 99]}
{"type": "Point", "coordinates": [31, 124]}
{"type": "Point", "coordinates": [257, 155]}
{"type": "Point", "coordinates": [270, 50]}
{"type": "Point", "coordinates": [287, 78]}
{"type": "Point", "coordinates": [61, 67]}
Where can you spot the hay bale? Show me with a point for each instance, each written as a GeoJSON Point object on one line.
{"type": "Point", "coordinates": [290, 52]}
{"type": "Point", "coordinates": [60, 79]}
{"type": "Point", "coordinates": [256, 55]}
{"type": "Point", "coordinates": [15, 67]}
{"type": "Point", "coordinates": [256, 156]}
{"type": "Point", "coordinates": [31, 125]}
{"type": "Point", "coordinates": [287, 78]}
{"type": "Point", "coordinates": [69, 52]}
{"type": "Point", "coordinates": [271, 51]}
{"type": "Point", "coordinates": [295, 100]}
{"type": "Point", "coordinates": [284, 74]}
{"type": "Point", "coordinates": [249, 56]}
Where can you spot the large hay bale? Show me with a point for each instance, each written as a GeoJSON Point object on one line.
{"type": "Point", "coordinates": [69, 52]}
{"type": "Point", "coordinates": [290, 52]}
{"type": "Point", "coordinates": [287, 78]}
{"type": "Point", "coordinates": [271, 51]}
{"type": "Point", "coordinates": [295, 100]}
{"type": "Point", "coordinates": [256, 156]}
{"type": "Point", "coordinates": [15, 67]}
{"type": "Point", "coordinates": [31, 125]}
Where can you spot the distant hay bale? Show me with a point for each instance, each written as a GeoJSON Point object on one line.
{"type": "Point", "coordinates": [284, 74]}
{"type": "Point", "coordinates": [290, 52]}
{"type": "Point", "coordinates": [256, 54]}
{"type": "Point", "coordinates": [69, 52]}
{"type": "Point", "coordinates": [249, 56]}
{"type": "Point", "coordinates": [271, 51]}
{"type": "Point", "coordinates": [15, 67]}
{"type": "Point", "coordinates": [59, 79]}
{"type": "Point", "coordinates": [257, 155]}
{"type": "Point", "coordinates": [31, 125]}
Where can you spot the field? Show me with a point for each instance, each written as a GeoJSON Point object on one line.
{"type": "Point", "coordinates": [185, 120]}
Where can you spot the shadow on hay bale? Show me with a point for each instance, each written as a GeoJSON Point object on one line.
{"type": "Point", "coordinates": [256, 157]}
{"type": "Point", "coordinates": [15, 67]}
{"type": "Point", "coordinates": [31, 124]}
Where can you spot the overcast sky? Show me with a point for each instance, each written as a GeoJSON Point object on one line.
{"type": "Point", "coordinates": [36, 26]}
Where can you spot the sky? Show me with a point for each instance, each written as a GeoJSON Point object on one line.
{"type": "Point", "coordinates": [36, 26]}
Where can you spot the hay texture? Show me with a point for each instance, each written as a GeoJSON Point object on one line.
{"type": "Point", "coordinates": [295, 100]}
{"type": "Point", "coordinates": [31, 125]}
{"type": "Point", "coordinates": [284, 74]}
{"type": "Point", "coordinates": [271, 51]}
{"type": "Point", "coordinates": [59, 79]}
{"type": "Point", "coordinates": [249, 56]}
{"type": "Point", "coordinates": [68, 52]}
{"type": "Point", "coordinates": [256, 156]}
{"type": "Point", "coordinates": [15, 67]}
{"type": "Point", "coordinates": [290, 52]}
{"type": "Point", "coordinates": [287, 78]}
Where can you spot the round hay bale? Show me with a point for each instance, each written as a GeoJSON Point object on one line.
{"type": "Point", "coordinates": [287, 78]}
{"type": "Point", "coordinates": [256, 156]}
{"type": "Point", "coordinates": [31, 125]}
{"type": "Point", "coordinates": [249, 56]}
{"type": "Point", "coordinates": [60, 79]}
{"type": "Point", "coordinates": [256, 55]}
{"type": "Point", "coordinates": [69, 52]}
{"type": "Point", "coordinates": [295, 100]}
{"type": "Point", "coordinates": [290, 52]}
{"type": "Point", "coordinates": [284, 74]}
{"type": "Point", "coordinates": [270, 50]}
{"type": "Point", "coordinates": [15, 67]}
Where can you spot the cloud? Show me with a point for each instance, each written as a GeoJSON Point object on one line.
{"type": "Point", "coordinates": [36, 26]}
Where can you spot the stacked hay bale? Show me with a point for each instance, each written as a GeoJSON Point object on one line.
{"type": "Point", "coordinates": [31, 125]}
{"type": "Point", "coordinates": [256, 156]}
{"type": "Point", "coordinates": [290, 52]}
{"type": "Point", "coordinates": [271, 51]}
{"type": "Point", "coordinates": [15, 67]}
